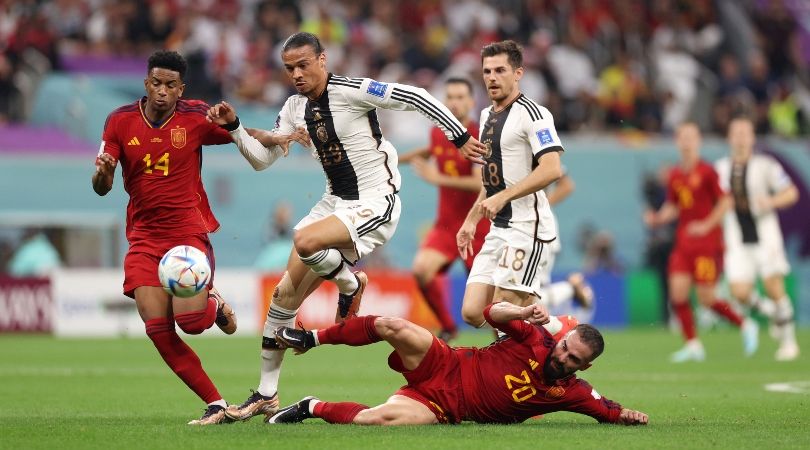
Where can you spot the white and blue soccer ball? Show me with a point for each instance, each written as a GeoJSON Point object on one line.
{"type": "Point", "coordinates": [184, 271]}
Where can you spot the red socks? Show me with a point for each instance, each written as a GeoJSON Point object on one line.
{"type": "Point", "coordinates": [435, 294]}
{"type": "Point", "coordinates": [355, 332]}
{"type": "Point", "coordinates": [198, 321]}
{"type": "Point", "coordinates": [339, 412]}
{"type": "Point", "coordinates": [683, 311]}
{"type": "Point", "coordinates": [181, 358]}
{"type": "Point", "coordinates": [724, 309]}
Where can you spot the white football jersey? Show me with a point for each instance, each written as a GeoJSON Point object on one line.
{"type": "Point", "coordinates": [516, 137]}
{"type": "Point", "coordinates": [745, 223]}
{"type": "Point", "coordinates": [346, 137]}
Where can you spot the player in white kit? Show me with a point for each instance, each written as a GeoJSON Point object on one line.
{"type": "Point", "coordinates": [754, 244]}
{"type": "Point", "coordinates": [523, 158]}
{"type": "Point", "coordinates": [336, 118]}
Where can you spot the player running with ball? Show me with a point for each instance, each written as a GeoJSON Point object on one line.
{"type": "Point", "coordinates": [158, 141]}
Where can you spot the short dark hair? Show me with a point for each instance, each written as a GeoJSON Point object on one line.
{"type": "Point", "coordinates": [168, 60]}
{"type": "Point", "coordinates": [460, 80]}
{"type": "Point", "coordinates": [301, 39]}
{"type": "Point", "coordinates": [514, 52]}
{"type": "Point", "coordinates": [591, 337]}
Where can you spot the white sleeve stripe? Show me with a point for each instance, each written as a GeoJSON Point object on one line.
{"type": "Point", "coordinates": [342, 78]}
{"type": "Point", "coordinates": [430, 109]}
{"type": "Point", "coordinates": [531, 107]}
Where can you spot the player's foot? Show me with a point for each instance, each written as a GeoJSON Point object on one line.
{"type": "Point", "coordinates": [583, 293]}
{"type": "Point", "coordinates": [295, 413]}
{"type": "Point", "coordinates": [213, 414]}
{"type": "Point", "coordinates": [447, 335]}
{"type": "Point", "coordinates": [692, 351]}
{"type": "Point", "coordinates": [349, 304]}
{"type": "Point", "coordinates": [254, 405]}
{"type": "Point", "coordinates": [788, 351]}
{"type": "Point", "coordinates": [750, 336]}
{"type": "Point", "coordinates": [298, 340]}
{"type": "Point", "coordinates": [226, 317]}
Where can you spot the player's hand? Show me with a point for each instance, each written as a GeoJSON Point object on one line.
{"type": "Point", "coordinates": [425, 170]}
{"type": "Point", "coordinates": [474, 151]}
{"type": "Point", "coordinates": [649, 218]}
{"type": "Point", "coordinates": [535, 314]}
{"type": "Point", "coordinates": [300, 135]}
{"type": "Point", "coordinates": [105, 165]}
{"type": "Point", "coordinates": [698, 228]}
{"type": "Point", "coordinates": [631, 417]}
{"type": "Point", "coordinates": [222, 113]}
{"type": "Point", "coordinates": [464, 239]}
{"type": "Point", "coordinates": [491, 206]}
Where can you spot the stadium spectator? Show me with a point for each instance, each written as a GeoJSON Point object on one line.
{"type": "Point", "coordinates": [275, 253]}
{"type": "Point", "coordinates": [35, 256]}
{"type": "Point", "coordinates": [448, 385]}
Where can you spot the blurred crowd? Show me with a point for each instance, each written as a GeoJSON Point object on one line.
{"type": "Point", "coordinates": [596, 64]}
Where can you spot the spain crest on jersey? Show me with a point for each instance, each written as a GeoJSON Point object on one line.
{"type": "Point", "coordinates": [178, 137]}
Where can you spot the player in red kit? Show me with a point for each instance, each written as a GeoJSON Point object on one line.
{"type": "Point", "coordinates": [459, 182]}
{"type": "Point", "coordinates": [507, 382]}
{"type": "Point", "coordinates": [158, 142]}
{"type": "Point", "coordinates": [695, 199]}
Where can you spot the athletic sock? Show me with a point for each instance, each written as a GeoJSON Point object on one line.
{"type": "Point", "coordinates": [196, 322]}
{"type": "Point", "coordinates": [329, 265]}
{"type": "Point", "coordinates": [181, 358]}
{"type": "Point", "coordinates": [724, 309]}
{"type": "Point", "coordinates": [554, 325]}
{"type": "Point", "coordinates": [435, 293]}
{"type": "Point", "coordinates": [356, 331]}
{"type": "Point", "coordinates": [683, 311]}
{"type": "Point", "coordinates": [271, 355]}
{"type": "Point", "coordinates": [337, 412]}
{"type": "Point", "coordinates": [219, 402]}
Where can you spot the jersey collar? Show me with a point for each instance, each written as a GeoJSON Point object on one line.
{"type": "Point", "coordinates": [149, 123]}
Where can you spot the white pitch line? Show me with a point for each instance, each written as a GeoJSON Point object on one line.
{"type": "Point", "coordinates": [789, 387]}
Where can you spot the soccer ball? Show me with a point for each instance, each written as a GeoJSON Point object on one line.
{"type": "Point", "coordinates": [184, 271]}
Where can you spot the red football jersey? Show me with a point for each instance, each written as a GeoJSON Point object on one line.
{"type": "Point", "coordinates": [503, 383]}
{"type": "Point", "coordinates": [161, 166]}
{"type": "Point", "coordinates": [454, 204]}
{"type": "Point", "coordinates": [695, 193]}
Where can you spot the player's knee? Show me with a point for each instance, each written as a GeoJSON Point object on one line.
{"type": "Point", "coordinates": [391, 327]}
{"type": "Point", "coordinates": [740, 293]}
{"type": "Point", "coordinates": [472, 315]}
{"type": "Point", "coordinates": [284, 293]}
{"type": "Point", "coordinates": [422, 273]}
{"type": "Point", "coordinates": [305, 243]}
{"type": "Point", "coordinates": [192, 328]}
{"type": "Point", "coordinates": [369, 417]}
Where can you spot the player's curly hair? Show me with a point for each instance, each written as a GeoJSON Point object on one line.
{"type": "Point", "coordinates": [591, 337]}
{"type": "Point", "coordinates": [168, 60]}
{"type": "Point", "coordinates": [301, 39]}
{"type": "Point", "coordinates": [514, 52]}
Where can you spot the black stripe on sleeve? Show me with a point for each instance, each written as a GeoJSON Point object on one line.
{"type": "Point", "coordinates": [531, 107]}
{"type": "Point", "coordinates": [556, 148]}
{"type": "Point", "coordinates": [344, 83]}
{"type": "Point", "coordinates": [426, 106]}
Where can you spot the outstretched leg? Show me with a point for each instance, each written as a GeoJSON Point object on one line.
{"type": "Point", "coordinates": [398, 410]}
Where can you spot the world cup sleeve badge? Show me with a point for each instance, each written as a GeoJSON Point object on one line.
{"type": "Point", "coordinates": [178, 137]}
{"type": "Point", "coordinates": [377, 89]}
{"type": "Point", "coordinates": [544, 136]}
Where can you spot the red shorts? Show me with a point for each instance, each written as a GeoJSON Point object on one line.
{"type": "Point", "coordinates": [436, 382]}
{"type": "Point", "coordinates": [443, 240]}
{"type": "Point", "coordinates": [141, 261]}
{"type": "Point", "coordinates": [703, 265]}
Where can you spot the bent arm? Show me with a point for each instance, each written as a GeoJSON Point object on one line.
{"type": "Point", "coordinates": [547, 171]}
{"type": "Point", "coordinates": [785, 198]}
{"type": "Point", "coordinates": [254, 151]}
{"type": "Point", "coordinates": [407, 157]}
{"type": "Point", "coordinates": [563, 188]}
{"type": "Point", "coordinates": [102, 183]}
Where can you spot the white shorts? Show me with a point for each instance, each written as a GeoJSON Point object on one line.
{"type": "Point", "coordinates": [371, 222]}
{"type": "Point", "coordinates": [744, 262]}
{"type": "Point", "coordinates": [510, 259]}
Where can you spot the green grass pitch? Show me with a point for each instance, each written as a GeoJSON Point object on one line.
{"type": "Point", "coordinates": [117, 393]}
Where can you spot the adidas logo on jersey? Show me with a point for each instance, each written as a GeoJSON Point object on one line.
{"type": "Point", "coordinates": [134, 141]}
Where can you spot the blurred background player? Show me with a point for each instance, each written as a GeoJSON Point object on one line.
{"type": "Point", "coordinates": [158, 140]}
{"type": "Point", "coordinates": [336, 118]}
{"type": "Point", "coordinates": [508, 382]}
{"type": "Point", "coordinates": [459, 182]}
{"type": "Point", "coordinates": [759, 187]}
{"type": "Point", "coordinates": [575, 288]}
{"type": "Point", "coordinates": [523, 159]}
{"type": "Point", "coordinates": [695, 199]}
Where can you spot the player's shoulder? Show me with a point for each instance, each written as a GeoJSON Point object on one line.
{"type": "Point", "coordinates": [763, 159]}
{"type": "Point", "coordinates": [192, 107]}
{"type": "Point", "coordinates": [346, 82]}
{"type": "Point", "coordinates": [706, 167]}
{"type": "Point", "coordinates": [122, 112]}
{"type": "Point", "coordinates": [532, 109]}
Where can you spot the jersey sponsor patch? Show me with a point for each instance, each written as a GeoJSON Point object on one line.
{"type": "Point", "coordinates": [377, 89]}
{"type": "Point", "coordinates": [544, 136]}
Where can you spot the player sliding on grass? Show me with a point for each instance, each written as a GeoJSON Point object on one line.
{"type": "Point", "coordinates": [158, 140]}
{"type": "Point", "coordinates": [507, 382]}
{"type": "Point", "coordinates": [336, 119]}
